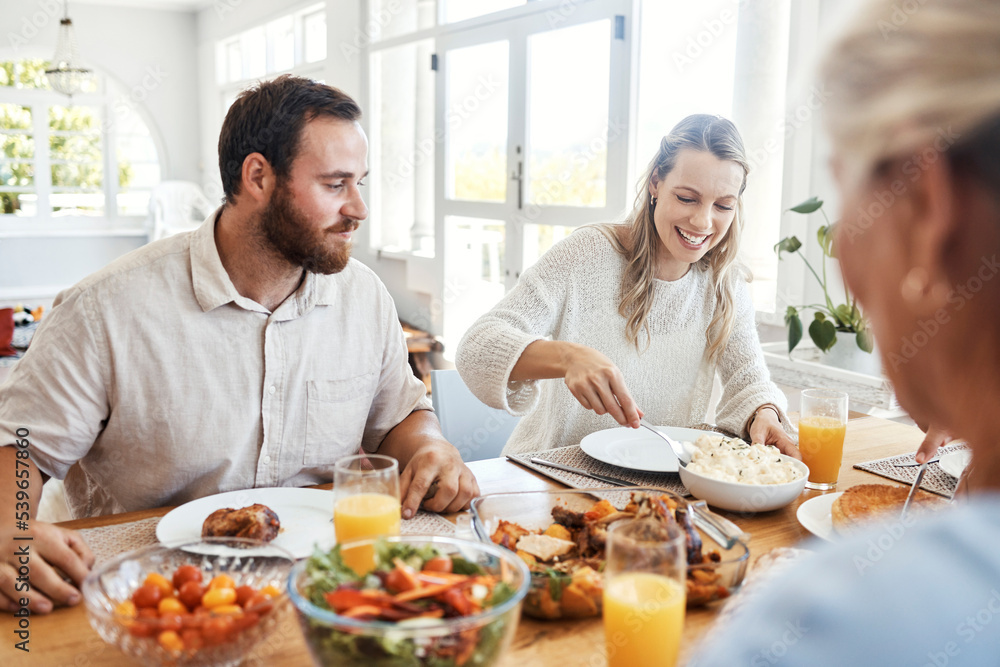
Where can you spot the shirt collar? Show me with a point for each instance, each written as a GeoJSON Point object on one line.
{"type": "Point", "coordinates": [214, 288]}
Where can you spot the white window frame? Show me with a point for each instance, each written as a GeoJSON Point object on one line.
{"type": "Point", "coordinates": [45, 224]}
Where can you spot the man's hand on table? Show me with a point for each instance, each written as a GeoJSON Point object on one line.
{"type": "Point", "coordinates": [54, 552]}
{"type": "Point", "coordinates": [438, 465]}
{"type": "Point", "coordinates": [431, 469]}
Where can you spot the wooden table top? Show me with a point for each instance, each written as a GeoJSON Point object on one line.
{"type": "Point", "coordinates": [65, 638]}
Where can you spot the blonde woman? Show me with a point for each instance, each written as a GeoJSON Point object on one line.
{"type": "Point", "coordinates": [637, 318]}
{"type": "Point", "coordinates": [914, 115]}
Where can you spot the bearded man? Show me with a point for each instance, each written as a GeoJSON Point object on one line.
{"type": "Point", "coordinates": [251, 352]}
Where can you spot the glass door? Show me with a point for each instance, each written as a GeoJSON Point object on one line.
{"type": "Point", "coordinates": [532, 114]}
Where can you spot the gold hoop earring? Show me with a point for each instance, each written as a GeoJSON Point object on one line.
{"type": "Point", "coordinates": [652, 201]}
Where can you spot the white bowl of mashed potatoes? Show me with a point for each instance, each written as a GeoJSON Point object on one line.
{"type": "Point", "coordinates": [732, 475]}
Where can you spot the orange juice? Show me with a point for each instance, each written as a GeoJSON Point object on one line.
{"type": "Point", "coordinates": [365, 515]}
{"type": "Point", "coordinates": [643, 619]}
{"type": "Point", "coordinates": [821, 441]}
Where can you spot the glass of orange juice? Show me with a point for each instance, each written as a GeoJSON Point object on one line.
{"type": "Point", "coordinates": [644, 593]}
{"type": "Point", "coordinates": [821, 435]}
{"type": "Point", "coordinates": [365, 504]}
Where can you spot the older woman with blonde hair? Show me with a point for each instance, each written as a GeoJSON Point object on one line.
{"type": "Point", "coordinates": [637, 317]}
{"type": "Point", "coordinates": [914, 115]}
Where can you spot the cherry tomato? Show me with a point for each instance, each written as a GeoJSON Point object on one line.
{"type": "Point", "coordinates": [147, 595]}
{"type": "Point", "coordinates": [161, 582]}
{"type": "Point", "coordinates": [247, 620]}
{"type": "Point", "coordinates": [217, 597]}
{"type": "Point", "coordinates": [438, 564]}
{"type": "Point", "coordinates": [270, 591]}
{"type": "Point", "coordinates": [217, 629]}
{"type": "Point", "coordinates": [192, 639]}
{"type": "Point", "coordinates": [244, 593]}
{"type": "Point", "coordinates": [260, 604]}
{"type": "Point", "coordinates": [172, 606]}
{"type": "Point", "coordinates": [170, 622]}
{"type": "Point", "coordinates": [190, 594]}
{"type": "Point", "coordinates": [171, 641]}
{"type": "Point", "coordinates": [186, 573]}
{"type": "Point", "coordinates": [148, 612]}
{"type": "Point", "coordinates": [143, 628]}
{"type": "Point", "coordinates": [221, 581]}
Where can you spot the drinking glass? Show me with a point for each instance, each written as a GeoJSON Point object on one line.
{"type": "Point", "coordinates": [644, 593]}
{"type": "Point", "coordinates": [821, 435]}
{"type": "Point", "coordinates": [365, 504]}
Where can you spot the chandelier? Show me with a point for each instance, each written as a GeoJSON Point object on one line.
{"type": "Point", "coordinates": [65, 75]}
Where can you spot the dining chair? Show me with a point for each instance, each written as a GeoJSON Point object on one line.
{"type": "Point", "coordinates": [477, 430]}
{"type": "Point", "coordinates": [176, 206]}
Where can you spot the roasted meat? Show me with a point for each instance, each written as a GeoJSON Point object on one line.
{"type": "Point", "coordinates": [258, 522]}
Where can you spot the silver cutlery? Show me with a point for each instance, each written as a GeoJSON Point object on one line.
{"type": "Point", "coordinates": [913, 489]}
{"type": "Point", "coordinates": [683, 457]}
{"type": "Point", "coordinates": [580, 471]}
{"type": "Point", "coordinates": [914, 464]}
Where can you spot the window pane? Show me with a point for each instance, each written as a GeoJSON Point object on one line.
{"type": "Point", "coordinates": [24, 204]}
{"type": "Point", "coordinates": [476, 118]}
{"type": "Point", "coordinates": [17, 146]}
{"type": "Point", "coordinates": [138, 175]}
{"type": "Point", "coordinates": [77, 203]}
{"type": "Point", "coordinates": [474, 272]}
{"type": "Point", "coordinates": [282, 38]}
{"type": "Point", "coordinates": [7, 73]}
{"type": "Point", "coordinates": [15, 174]}
{"type": "Point", "coordinates": [403, 112]}
{"type": "Point", "coordinates": [458, 10]}
{"type": "Point", "coordinates": [314, 30]}
{"type": "Point", "coordinates": [15, 117]}
{"type": "Point", "coordinates": [392, 18]}
{"type": "Point", "coordinates": [76, 147]}
{"type": "Point", "coordinates": [234, 60]}
{"type": "Point", "coordinates": [539, 238]}
{"type": "Point", "coordinates": [74, 119]}
{"type": "Point", "coordinates": [85, 176]}
{"type": "Point", "coordinates": [255, 50]}
{"type": "Point", "coordinates": [133, 202]}
{"type": "Point", "coordinates": [568, 115]}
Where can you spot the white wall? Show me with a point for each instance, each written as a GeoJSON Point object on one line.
{"type": "Point", "coordinates": [130, 45]}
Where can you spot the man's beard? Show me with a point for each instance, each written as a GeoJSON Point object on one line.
{"type": "Point", "coordinates": [288, 232]}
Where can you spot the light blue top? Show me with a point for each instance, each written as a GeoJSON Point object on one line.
{"type": "Point", "coordinates": [928, 594]}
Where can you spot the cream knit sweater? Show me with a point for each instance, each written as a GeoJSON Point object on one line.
{"type": "Point", "coordinates": [571, 294]}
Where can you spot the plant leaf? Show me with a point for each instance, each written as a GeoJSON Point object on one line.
{"type": "Point", "coordinates": [808, 206]}
{"type": "Point", "coordinates": [823, 333]}
{"type": "Point", "coordinates": [844, 313]}
{"type": "Point", "coordinates": [788, 244]}
{"type": "Point", "coordinates": [865, 341]}
{"type": "Point", "coordinates": [819, 316]}
{"type": "Point", "coordinates": [825, 236]}
{"type": "Point", "coordinates": [794, 324]}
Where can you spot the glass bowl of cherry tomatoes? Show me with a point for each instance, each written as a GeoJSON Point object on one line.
{"type": "Point", "coordinates": [210, 602]}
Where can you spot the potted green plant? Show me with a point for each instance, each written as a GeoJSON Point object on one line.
{"type": "Point", "coordinates": [830, 320]}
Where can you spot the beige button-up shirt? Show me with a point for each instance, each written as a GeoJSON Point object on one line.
{"type": "Point", "coordinates": [153, 382]}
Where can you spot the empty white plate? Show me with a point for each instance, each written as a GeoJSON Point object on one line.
{"type": "Point", "coordinates": [639, 449]}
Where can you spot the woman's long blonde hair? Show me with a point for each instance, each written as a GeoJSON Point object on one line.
{"type": "Point", "coordinates": [636, 238]}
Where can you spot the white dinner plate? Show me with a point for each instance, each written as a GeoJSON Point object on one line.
{"type": "Point", "coordinates": [637, 448]}
{"type": "Point", "coordinates": [306, 517]}
{"type": "Point", "coordinates": [816, 515]}
{"type": "Point", "coordinates": [954, 463]}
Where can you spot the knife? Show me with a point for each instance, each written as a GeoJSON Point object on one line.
{"type": "Point", "coordinates": [580, 471]}
{"type": "Point", "coordinates": [913, 489]}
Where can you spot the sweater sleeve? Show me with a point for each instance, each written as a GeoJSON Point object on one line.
{"type": "Point", "coordinates": [746, 382]}
{"type": "Point", "coordinates": [531, 311]}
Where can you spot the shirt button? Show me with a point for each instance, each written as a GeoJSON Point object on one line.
{"type": "Point", "coordinates": [267, 460]}
{"type": "Point", "coordinates": [271, 389]}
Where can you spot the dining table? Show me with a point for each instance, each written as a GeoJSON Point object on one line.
{"type": "Point", "coordinates": [64, 638]}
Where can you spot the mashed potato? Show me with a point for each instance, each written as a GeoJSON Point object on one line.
{"type": "Point", "coordinates": [732, 460]}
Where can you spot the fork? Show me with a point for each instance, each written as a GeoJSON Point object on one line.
{"type": "Point", "coordinates": [683, 457]}
{"type": "Point", "coordinates": [914, 464]}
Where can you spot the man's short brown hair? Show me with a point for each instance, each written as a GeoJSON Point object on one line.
{"type": "Point", "coordinates": [268, 119]}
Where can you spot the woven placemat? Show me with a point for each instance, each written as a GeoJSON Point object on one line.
{"type": "Point", "coordinates": [109, 541]}
{"type": "Point", "coordinates": [576, 457]}
{"type": "Point", "coordinates": [935, 479]}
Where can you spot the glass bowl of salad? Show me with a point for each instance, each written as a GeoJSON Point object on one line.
{"type": "Point", "coordinates": [428, 602]}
